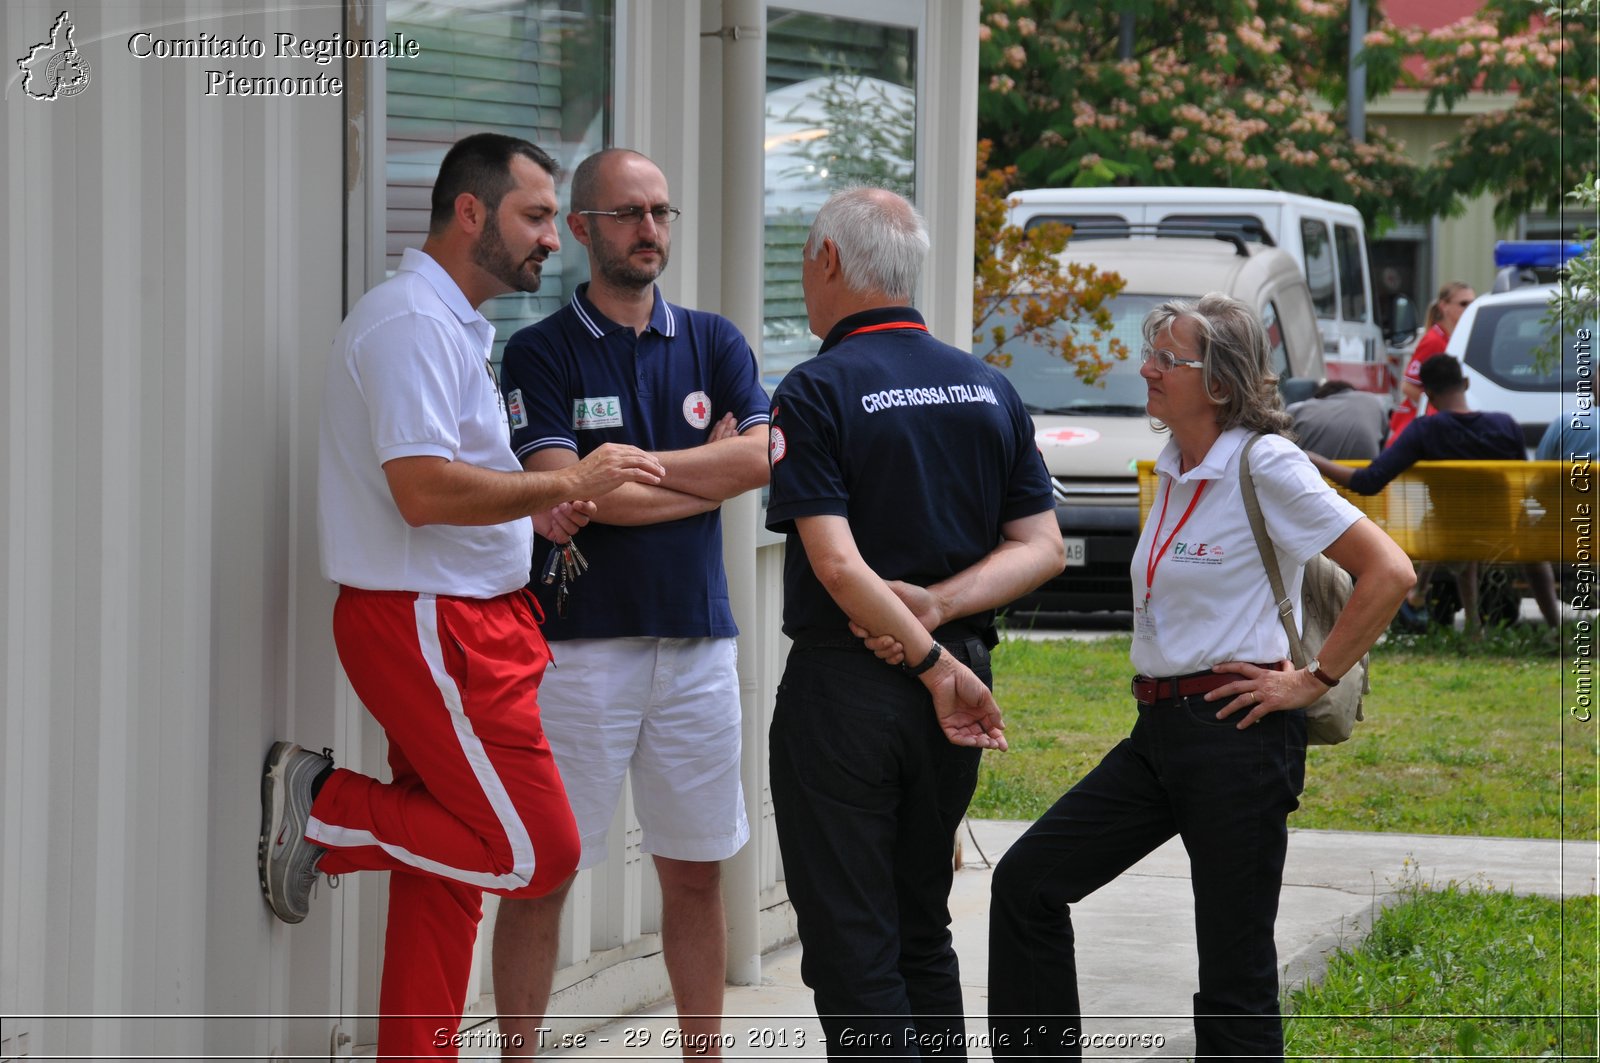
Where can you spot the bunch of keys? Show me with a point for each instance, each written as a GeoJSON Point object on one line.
{"type": "Point", "coordinates": [568, 563]}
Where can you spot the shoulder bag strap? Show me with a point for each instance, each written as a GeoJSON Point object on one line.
{"type": "Point", "coordinates": [1269, 555]}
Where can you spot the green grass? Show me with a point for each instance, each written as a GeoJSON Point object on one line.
{"type": "Point", "coordinates": [1457, 972]}
{"type": "Point", "coordinates": [1460, 737]}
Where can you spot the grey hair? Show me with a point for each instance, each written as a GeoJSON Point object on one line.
{"type": "Point", "coordinates": [1237, 374]}
{"type": "Point", "coordinates": [882, 240]}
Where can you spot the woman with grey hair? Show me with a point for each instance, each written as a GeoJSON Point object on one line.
{"type": "Point", "coordinates": [1217, 752]}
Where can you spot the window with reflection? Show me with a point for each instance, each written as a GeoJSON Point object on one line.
{"type": "Point", "coordinates": [536, 69]}
{"type": "Point", "coordinates": [1352, 286]}
{"type": "Point", "coordinates": [1319, 267]}
{"type": "Point", "coordinates": [841, 110]}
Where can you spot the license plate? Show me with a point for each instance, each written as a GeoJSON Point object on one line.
{"type": "Point", "coordinates": [1075, 557]}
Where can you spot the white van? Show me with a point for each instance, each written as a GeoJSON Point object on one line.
{"type": "Point", "coordinates": [1092, 436]}
{"type": "Point", "coordinates": [1327, 239]}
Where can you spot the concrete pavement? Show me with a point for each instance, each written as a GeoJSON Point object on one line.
{"type": "Point", "coordinates": [1136, 950]}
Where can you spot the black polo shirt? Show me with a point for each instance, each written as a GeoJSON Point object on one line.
{"type": "Point", "coordinates": [926, 449]}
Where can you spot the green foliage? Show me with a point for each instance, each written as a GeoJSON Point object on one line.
{"type": "Point", "coordinates": [870, 137]}
{"type": "Point", "coordinates": [1018, 279]}
{"type": "Point", "coordinates": [1529, 154]}
{"type": "Point", "coordinates": [1217, 92]}
{"type": "Point", "coordinates": [1461, 737]}
{"type": "Point", "coordinates": [1454, 971]}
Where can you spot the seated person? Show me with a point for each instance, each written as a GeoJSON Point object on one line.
{"type": "Point", "coordinates": [1340, 422]}
{"type": "Point", "coordinates": [1569, 436]}
{"type": "Point", "coordinates": [1455, 432]}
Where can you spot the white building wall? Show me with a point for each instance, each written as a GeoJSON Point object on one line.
{"type": "Point", "coordinates": [170, 278]}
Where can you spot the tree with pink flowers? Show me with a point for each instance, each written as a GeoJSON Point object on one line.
{"type": "Point", "coordinates": [1215, 92]}
{"type": "Point", "coordinates": [1531, 154]}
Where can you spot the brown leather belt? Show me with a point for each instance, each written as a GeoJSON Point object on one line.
{"type": "Point", "coordinates": [1148, 690]}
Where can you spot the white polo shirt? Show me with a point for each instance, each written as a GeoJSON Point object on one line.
{"type": "Point", "coordinates": [1209, 600]}
{"type": "Point", "coordinates": [409, 375]}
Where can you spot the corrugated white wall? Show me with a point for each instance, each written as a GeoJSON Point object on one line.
{"type": "Point", "coordinates": [171, 276]}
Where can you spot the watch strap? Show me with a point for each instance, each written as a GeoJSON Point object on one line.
{"type": "Point", "coordinates": [934, 653]}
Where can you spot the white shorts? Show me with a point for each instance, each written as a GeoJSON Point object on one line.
{"type": "Point", "coordinates": [669, 710]}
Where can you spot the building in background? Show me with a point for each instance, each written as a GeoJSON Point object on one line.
{"type": "Point", "coordinates": [1413, 258]}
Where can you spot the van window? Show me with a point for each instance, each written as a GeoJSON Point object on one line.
{"type": "Point", "coordinates": [1048, 385]}
{"type": "Point", "coordinates": [1247, 226]}
{"type": "Point", "coordinates": [1319, 266]}
{"type": "Point", "coordinates": [1277, 346]}
{"type": "Point", "coordinates": [1086, 226]}
{"type": "Point", "coordinates": [1352, 284]}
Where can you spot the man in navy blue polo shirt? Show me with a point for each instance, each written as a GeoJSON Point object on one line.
{"type": "Point", "coordinates": [1455, 432]}
{"type": "Point", "coordinates": [644, 676]}
{"type": "Point", "coordinates": [905, 475]}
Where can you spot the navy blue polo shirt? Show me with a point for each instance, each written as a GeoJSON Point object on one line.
{"type": "Point", "coordinates": [924, 448]}
{"type": "Point", "coordinates": [1443, 436]}
{"type": "Point", "coordinates": [578, 380]}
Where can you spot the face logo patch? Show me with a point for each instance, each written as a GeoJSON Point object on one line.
{"type": "Point", "coordinates": [697, 409]}
{"type": "Point", "coordinates": [777, 446]}
{"type": "Point", "coordinates": [602, 412]}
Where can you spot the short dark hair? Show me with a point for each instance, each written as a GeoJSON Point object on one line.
{"type": "Point", "coordinates": [481, 165]}
{"type": "Point", "coordinates": [1329, 388]}
{"type": "Point", "coordinates": [1441, 375]}
{"type": "Point", "coordinates": [586, 177]}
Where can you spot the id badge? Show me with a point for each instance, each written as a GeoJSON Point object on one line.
{"type": "Point", "coordinates": [1144, 622]}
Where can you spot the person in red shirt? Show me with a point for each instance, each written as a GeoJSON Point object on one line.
{"type": "Point", "coordinates": [1440, 322]}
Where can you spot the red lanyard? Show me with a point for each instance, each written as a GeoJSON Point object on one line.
{"type": "Point", "coordinates": [1154, 559]}
{"type": "Point", "coordinates": [884, 328]}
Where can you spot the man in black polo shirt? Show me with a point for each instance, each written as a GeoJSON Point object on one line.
{"type": "Point", "coordinates": [905, 475]}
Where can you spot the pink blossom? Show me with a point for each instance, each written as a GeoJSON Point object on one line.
{"type": "Point", "coordinates": [1026, 26]}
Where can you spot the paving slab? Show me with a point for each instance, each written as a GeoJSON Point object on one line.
{"type": "Point", "coordinates": [1136, 951]}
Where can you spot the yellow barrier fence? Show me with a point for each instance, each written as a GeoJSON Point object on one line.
{"type": "Point", "coordinates": [1494, 511]}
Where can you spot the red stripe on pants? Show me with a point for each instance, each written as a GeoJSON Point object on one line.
{"type": "Point", "coordinates": [476, 802]}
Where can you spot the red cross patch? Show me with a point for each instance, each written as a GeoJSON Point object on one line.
{"type": "Point", "coordinates": [697, 409]}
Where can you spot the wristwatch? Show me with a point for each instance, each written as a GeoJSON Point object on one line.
{"type": "Point", "coordinates": [1315, 668]}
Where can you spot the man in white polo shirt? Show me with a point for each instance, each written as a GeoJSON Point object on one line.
{"type": "Point", "coordinates": [424, 517]}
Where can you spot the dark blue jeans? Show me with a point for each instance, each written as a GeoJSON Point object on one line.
{"type": "Point", "coordinates": [868, 794]}
{"type": "Point", "coordinates": [1228, 794]}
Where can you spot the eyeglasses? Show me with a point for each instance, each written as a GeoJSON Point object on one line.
{"type": "Point", "coordinates": [1166, 361]}
{"type": "Point", "coordinates": [632, 216]}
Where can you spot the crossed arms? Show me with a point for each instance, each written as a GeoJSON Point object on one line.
{"type": "Point", "coordinates": [693, 481]}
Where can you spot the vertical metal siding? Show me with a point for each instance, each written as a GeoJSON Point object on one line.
{"type": "Point", "coordinates": [170, 281]}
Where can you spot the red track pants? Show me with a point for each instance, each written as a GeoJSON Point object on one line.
{"type": "Point", "coordinates": [476, 803]}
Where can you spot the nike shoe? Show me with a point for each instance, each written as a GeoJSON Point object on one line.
{"type": "Point", "coordinates": [285, 861]}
